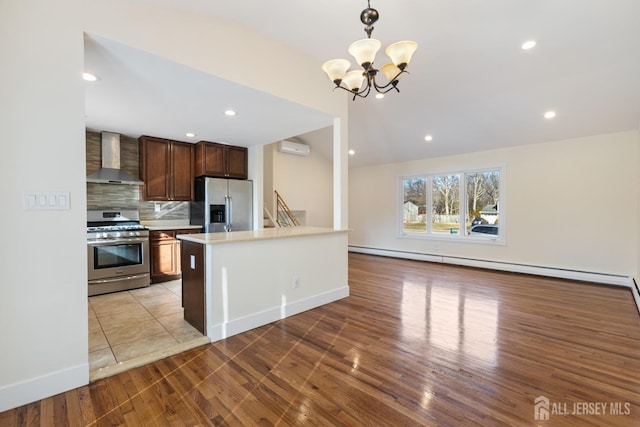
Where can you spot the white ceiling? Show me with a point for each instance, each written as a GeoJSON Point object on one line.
{"type": "Point", "coordinates": [471, 86]}
{"type": "Point", "coordinates": [142, 94]}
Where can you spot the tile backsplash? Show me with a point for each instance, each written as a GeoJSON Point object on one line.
{"type": "Point", "coordinates": [105, 196]}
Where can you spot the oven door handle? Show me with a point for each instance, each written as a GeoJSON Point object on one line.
{"type": "Point", "coordinates": [111, 242]}
{"type": "Point", "coordinates": [118, 279]}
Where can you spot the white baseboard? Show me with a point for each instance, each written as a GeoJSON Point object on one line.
{"type": "Point", "coordinates": [236, 326]}
{"type": "Point", "coordinates": [34, 389]}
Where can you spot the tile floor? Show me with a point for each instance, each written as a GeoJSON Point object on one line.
{"type": "Point", "coordinates": [129, 325]}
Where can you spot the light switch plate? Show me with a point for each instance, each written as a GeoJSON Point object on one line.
{"type": "Point", "coordinates": [46, 200]}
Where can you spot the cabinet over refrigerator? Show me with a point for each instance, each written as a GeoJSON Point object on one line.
{"type": "Point", "coordinates": [222, 204]}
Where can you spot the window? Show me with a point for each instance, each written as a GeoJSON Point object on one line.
{"type": "Point", "coordinates": [415, 204]}
{"type": "Point", "coordinates": [459, 205]}
{"type": "Point", "coordinates": [445, 204]}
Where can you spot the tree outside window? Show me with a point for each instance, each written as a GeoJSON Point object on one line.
{"type": "Point", "coordinates": [483, 191]}
{"type": "Point", "coordinates": [446, 204]}
{"type": "Point", "coordinates": [414, 204]}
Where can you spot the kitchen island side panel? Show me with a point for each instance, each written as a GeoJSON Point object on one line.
{"type": "Point", "coordinates": [193, 284]}
{"type": "Point", "coordinates": [252, 283]}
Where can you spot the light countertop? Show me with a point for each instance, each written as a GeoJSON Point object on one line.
{"type": "Point", "coordinates": [262, 234]}
{"type": "Point", "coordinates": [169, 225]}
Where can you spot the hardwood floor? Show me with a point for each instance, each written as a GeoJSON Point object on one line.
{"type": "Point", "coordinates": [414, 344]}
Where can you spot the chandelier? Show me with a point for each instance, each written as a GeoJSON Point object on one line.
{"type": "Point", "coordinates": [359, 82]}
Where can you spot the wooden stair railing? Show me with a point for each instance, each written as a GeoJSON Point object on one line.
{"type": "Point", "coordinates": [284, 216]}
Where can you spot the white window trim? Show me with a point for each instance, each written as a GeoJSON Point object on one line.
{"type": "Point", "coordinates": [501, 239]}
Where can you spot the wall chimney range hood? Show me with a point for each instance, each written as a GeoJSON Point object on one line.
{"type": "Point", "coordinates": [110, 172]}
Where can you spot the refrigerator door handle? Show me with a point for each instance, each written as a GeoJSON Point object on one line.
{"type": "Point", "coordinates": [230, 213]}
{"type": "Point", "coordinates": [228, 204]}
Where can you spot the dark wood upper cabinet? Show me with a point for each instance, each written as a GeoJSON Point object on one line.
{"type": "Point", "coordinates": [182, 171]}
{"type": "Point", "coordinates": [154, 168]}
{"type": "Point", "coordinates": [237, 162]}
{"type": "Point", "coordinates": [210, 159]}
{"type": "Point", "coordinates": [166, 167]}
{"type": "Point", "coordinates": [220, 160]}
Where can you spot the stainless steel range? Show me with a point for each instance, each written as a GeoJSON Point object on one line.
{"type": "Point", "coordinates": [117, 251]}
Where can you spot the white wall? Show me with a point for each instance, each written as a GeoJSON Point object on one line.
{"type": "Point", "coordinates": [637, 272]}
{"type": "Point", "coordinates": [267, 156]}
{"type": "Point", "coordinates": [305, 183]}
{"type": "Point", "coordinates": [43, 305]}
{"type": "Point", "coordinates": [43, 294]}
{"type": "Point", "coordinates": [636, 276]}
{"type": "Point", "coordinates": [570, 204]}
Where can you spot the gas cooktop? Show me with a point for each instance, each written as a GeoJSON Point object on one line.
{"type": "Point", "coordinates": [101, 223]}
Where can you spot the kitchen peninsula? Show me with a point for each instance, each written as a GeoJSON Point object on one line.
{"type": "Point", "coordinates": [236, 281]}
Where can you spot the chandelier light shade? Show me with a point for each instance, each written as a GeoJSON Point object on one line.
{"type": "Point", "coordinates": [391, 72]}
{"type": "Point", "coordinates": [401, 53]}
{"type": "Point", "coordinates": [365, 51]}
{"type": "Point", "coordinates": [336, 69]}
{"type": "Point", "coordinates": [353, 80]}
{"type": "Point", "coordinates": [359, 82]}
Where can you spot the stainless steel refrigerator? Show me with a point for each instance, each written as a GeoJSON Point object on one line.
{"type": "Point", "coordinates": [222, 204]}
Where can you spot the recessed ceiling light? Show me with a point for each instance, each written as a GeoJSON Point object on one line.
{"type": "Point", "coordinates": [428, 138]}
{"type": "Point", "coordinates": [352, 152]}
{"type": "Point", "coordinates": [230, 113]}
{"type": "Point", "coordinates": [190, 135]}
{"type": "Point", "coordinates": [379, 95]}
{"type": "Point", "coordinates": [549, 114]}
{"type": "Point", "coordinates": [89, 77]}
{"type": "Point", "coordinates": [529, 44]}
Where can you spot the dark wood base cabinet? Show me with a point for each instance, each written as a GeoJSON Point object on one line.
{"type": "Point", "coordinates": [193, 294]}
{"type": "Point", "coordinates": [165, 254]}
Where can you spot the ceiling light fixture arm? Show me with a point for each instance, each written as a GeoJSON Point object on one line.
{"type": "Point", "coordinates": [370, 75]}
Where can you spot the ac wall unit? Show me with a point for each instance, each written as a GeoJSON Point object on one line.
{"type": "Point", "coordinates": [291, 147]}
